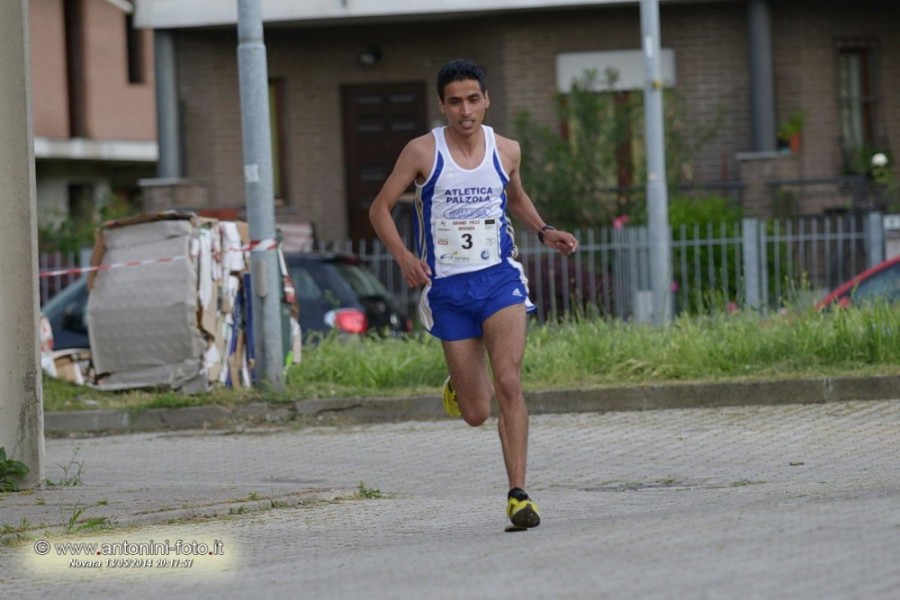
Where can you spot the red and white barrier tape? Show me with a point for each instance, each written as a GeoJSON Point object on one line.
{"type": "Point", "coordinates": [259, 246]}
{"type": "Point", "coordinates": [253, 246]}
{"type": "Point", "coordinates": [130, 263]}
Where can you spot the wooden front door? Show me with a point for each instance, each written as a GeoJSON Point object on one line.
{"type": "Point", "coordinates": [379, 119]}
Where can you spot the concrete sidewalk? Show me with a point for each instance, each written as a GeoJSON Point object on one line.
{"type": "Point", "coordinates": [382, 410]}
{"type": "Point", "coordinates": [199, 487]}
{"type": "Point", "coordinates": [763, 501]}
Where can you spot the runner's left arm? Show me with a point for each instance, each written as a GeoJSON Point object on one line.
{"type": "Point", "coordinates": [522, 208]}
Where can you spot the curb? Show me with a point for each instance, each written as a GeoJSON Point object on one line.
{"type": "Point", "coordinates": [237, 507]}
{"type": "Point", "coordinates": [354, 411]}
{"type": "Point", "coordinates": [166, 515]}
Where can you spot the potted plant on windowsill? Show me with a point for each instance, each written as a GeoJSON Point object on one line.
{"type": "Point", "coordinates": [790, 132]}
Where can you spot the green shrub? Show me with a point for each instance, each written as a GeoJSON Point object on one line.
{"type": "Point", "coordinates": [710, 273]}
{"type": "Point", "coordinates": [12, 472]}
{"type": "Point", "coordinates": [591, 167]}
{"type": "Point", "coordinates": [73, 232]}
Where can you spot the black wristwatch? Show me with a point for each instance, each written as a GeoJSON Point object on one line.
{"type": "Point", "coordinates": [542, 230]}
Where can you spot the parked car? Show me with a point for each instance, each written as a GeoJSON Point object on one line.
{"type": "Point", "coordinates": [880, 283]}
{"type": "Point", "coordinates": [334, 291]}
{"type": "Point", "coordinates": [337, 292]}
{"type": "Point", "coordinates": [67, 314]}
{"type": "Point", "coordinates": [559, 285]}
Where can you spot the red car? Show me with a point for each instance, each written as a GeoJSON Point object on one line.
{"type": "Point", "coordinates": [880, 283]}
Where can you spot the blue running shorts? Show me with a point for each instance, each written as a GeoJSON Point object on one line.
{"type": "Point", "coordinates": [454, 308]}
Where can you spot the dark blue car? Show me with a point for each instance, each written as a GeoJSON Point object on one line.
{"type": "Point", "coordinates": [337, 292]}
{"type": "Point", "coordinates": [333, 291]}
{"type": "Point", "coordinates": [67, 314]}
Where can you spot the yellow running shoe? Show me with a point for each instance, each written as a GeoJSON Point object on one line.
{"type": "Point", "coordinates": [450, 403]}
{"type": "Point", "coordinates": [522, 511]}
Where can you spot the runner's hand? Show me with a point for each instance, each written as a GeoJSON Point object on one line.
{"type": "Point", "coordinates": [562, 241]}
{"type": "Point", "coordinates": [415, 271]}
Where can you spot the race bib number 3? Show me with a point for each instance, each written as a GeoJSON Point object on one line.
{"type": "Point", "coordinates": [468, 242]}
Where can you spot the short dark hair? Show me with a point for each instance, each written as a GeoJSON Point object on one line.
{"type": "Point", "coordinates": [459, 70]}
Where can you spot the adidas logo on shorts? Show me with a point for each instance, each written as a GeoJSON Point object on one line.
{"type": "Point", "coordinates": [517, 293]}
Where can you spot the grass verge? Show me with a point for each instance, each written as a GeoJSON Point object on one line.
{"type": "Point", "coordinates": [577, 353]}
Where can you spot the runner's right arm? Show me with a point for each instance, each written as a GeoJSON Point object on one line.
{"type": "Point", "coordinates": [415, 271]}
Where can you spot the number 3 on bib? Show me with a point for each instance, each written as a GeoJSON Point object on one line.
{"type": "Point", "coordinates": [468, 242]}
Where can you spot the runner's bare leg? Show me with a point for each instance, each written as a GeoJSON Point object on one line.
{"type": "Point", "coordinates": [467, 364]}
{"type": "Point", "coordinates": [504, 336]}
{"type": "Point", "coordinates": [504, 341]}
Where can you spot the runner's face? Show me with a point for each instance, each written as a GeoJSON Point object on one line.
{"type": "Point", "coordinates": [464, 105]}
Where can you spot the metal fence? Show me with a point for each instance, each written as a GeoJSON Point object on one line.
{"type": "Point", "coordinates": [752, 263]}
{"type": "Point", "coordinates": [57, 272]}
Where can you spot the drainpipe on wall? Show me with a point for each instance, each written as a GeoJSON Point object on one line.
{"type": "Point", "coordinates": [762, 75]}
{"type": "Point", "coordinates": [167, 109]}
{"type": "Point", "coordinates": [170, 189]}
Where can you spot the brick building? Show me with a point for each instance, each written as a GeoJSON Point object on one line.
{"type": "Point", "coordinates": [351, 82]}
{"type": "Point", "coordinates": [93, 105]}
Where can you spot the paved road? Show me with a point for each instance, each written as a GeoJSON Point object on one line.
{"type": "Point", "coordinates": [748, 502]}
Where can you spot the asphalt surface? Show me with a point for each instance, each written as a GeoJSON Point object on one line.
{"type": "Point", "coordinates": [772, 499]}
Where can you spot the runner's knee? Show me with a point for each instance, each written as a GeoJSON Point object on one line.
{"type": "Point", "coordinates": [508, 387]}
{"type": "Point", "coordinates": [476, 417]}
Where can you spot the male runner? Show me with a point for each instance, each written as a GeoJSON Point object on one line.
{"type": "Point", "coordinates": [476, 295]}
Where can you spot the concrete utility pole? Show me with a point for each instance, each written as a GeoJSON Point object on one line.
{"type": "Point", "coordinates": [657, 194]}
{"type": "Point", "coordinates": [266, 305]}
{"type": "Point", "coordinates": [21, 407]}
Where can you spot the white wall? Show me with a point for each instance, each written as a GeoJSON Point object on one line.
{"type": "Point", "coordinates": [162, 14]}
{"type": "Point", "coordinates": [629, 64]}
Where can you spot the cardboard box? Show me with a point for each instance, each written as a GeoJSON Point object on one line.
{"type": "Point", "coordinates": [155, 307]}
